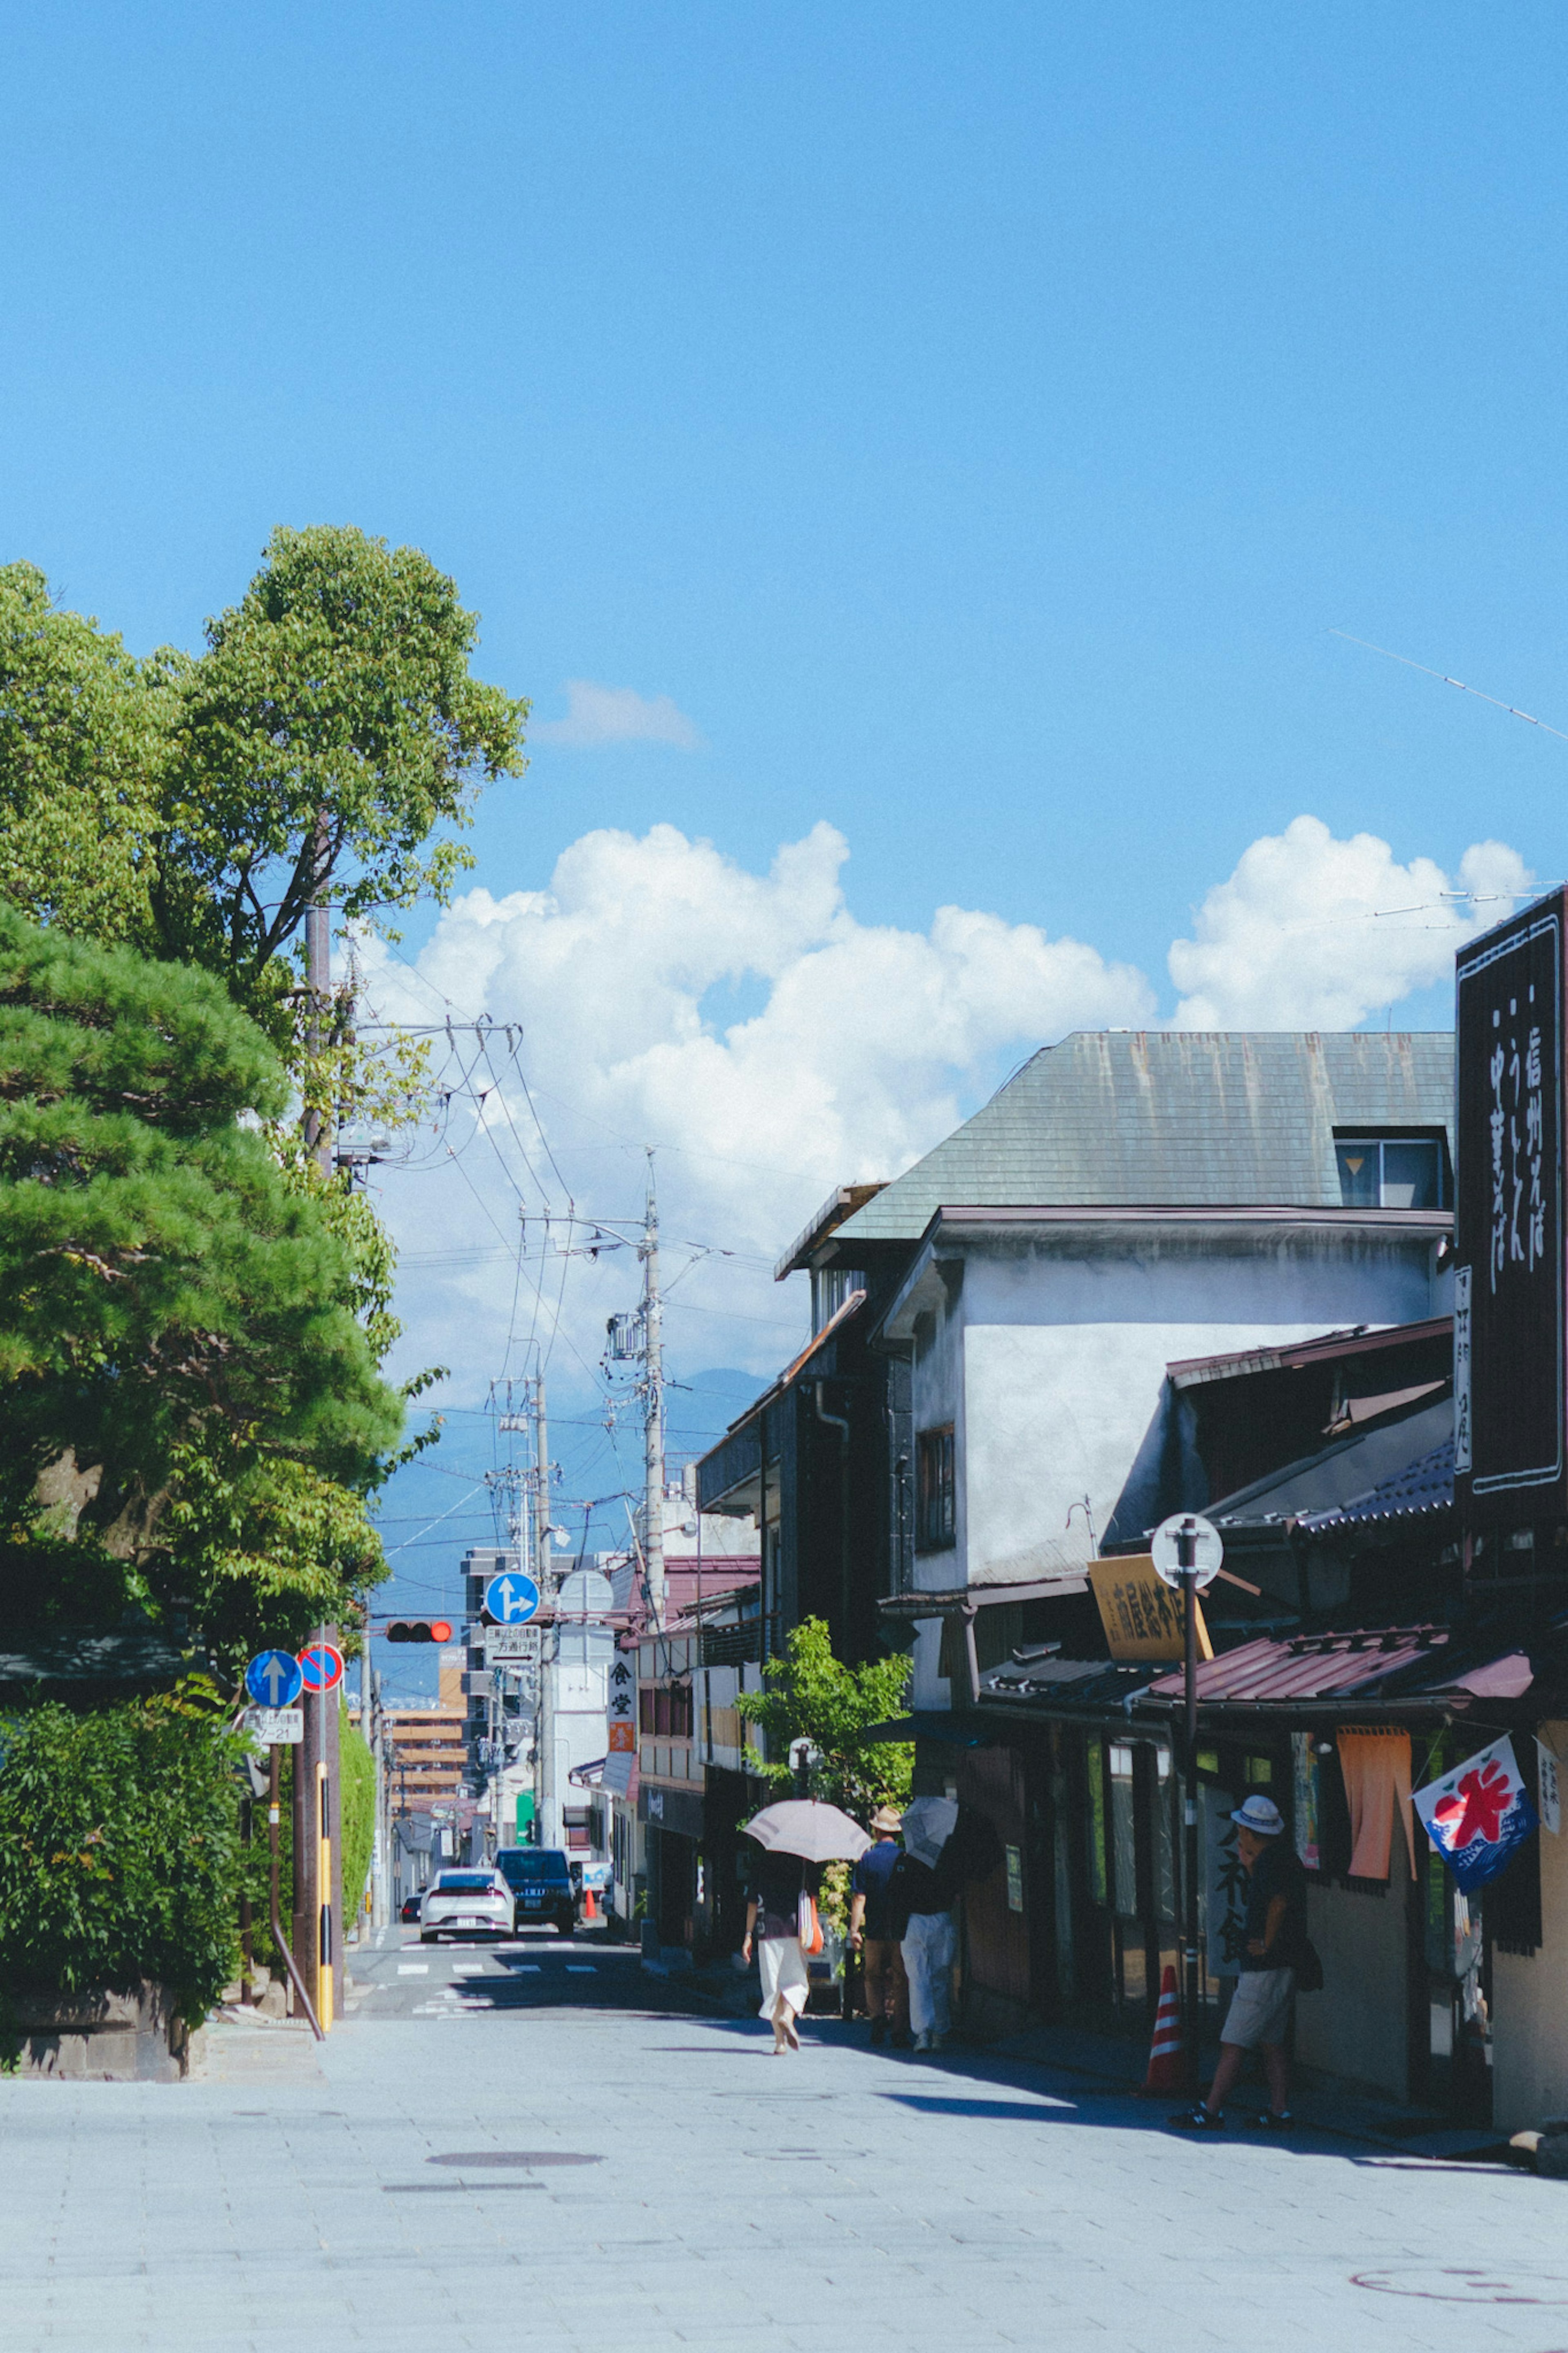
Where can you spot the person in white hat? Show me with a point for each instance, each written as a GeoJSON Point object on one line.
{"type": "Point", "coordinates": [1259, 2013]}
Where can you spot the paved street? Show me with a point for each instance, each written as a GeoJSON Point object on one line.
{"type": "Point", "coordinates": [538, 2146]}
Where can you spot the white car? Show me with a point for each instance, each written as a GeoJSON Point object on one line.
{"type": "Point", "coordinates": [467, 1903]}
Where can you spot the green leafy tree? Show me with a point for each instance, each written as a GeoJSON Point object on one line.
{"type": "Point", "coordinates": [812, 1695]}
{"type": "Point", "coordinates": [118, 1849]}
{"type": "Point", "coordinates": [85, 731]}
{"type": "Point", "coordinates": [329, 743]}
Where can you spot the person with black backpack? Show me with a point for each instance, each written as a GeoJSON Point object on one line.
{"type": "Point", "coordinates": [1275, 1956]}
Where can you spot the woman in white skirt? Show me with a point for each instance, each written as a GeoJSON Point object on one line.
{"type": "Point", "coordinates": [773, 1920]}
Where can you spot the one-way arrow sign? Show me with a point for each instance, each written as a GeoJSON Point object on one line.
{"type": "Point", "coordinates": [273, 1679]}
{"type": "Point", "coordinates": [511, 1598]}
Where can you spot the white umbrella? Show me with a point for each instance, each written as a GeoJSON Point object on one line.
{"type": "Point", "coordinates": [929, 1824]}
{"type": "Point", "coordinates": [805, 1826]}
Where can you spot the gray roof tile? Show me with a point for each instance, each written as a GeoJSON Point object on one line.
{"type": "Point", "coordinates": [1173, 1118]}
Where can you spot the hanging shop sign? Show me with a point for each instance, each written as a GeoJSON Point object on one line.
{"type": "Point", "coordinates": [1479, 1815]}
{"type": "Point", "coordinates": [1511, 1412]}
{"type": "Point", "coordinates": [1141, 1616]}
{"type": "Point", "coordinates": [621, 1705]}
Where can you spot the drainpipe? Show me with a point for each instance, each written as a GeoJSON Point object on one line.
{"type": "Point", "coordinates": [839, 1423]}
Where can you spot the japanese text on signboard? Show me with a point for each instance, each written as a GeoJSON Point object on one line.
{"type": "Point", "coordinates": [1141, 1615]}
{"type": "Point", "coordinates": [1509, 1307]}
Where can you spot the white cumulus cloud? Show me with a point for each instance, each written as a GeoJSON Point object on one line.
{"type": "Point", "coordinates": [597, 715]}
{"type": "Point", "coordinates": [769, 1043]}
{"type": "Point", "coordinates": [771, 1046]}
{"type": "Point", "coordinates": [1311, 932]}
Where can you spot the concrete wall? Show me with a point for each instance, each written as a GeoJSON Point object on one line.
{"type": "Point", "coordinates": [1357, 2028]}
{"type": "Point", "coordinates": [1530, 1997]}
{"type": "Point", "coordinates": [1050, 1359]}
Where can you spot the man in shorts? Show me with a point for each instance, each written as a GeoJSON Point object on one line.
{"type": "Point", "coordinates": [1259, 2013]}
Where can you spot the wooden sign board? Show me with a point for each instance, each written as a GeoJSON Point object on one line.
{"type": "Point", "coordinates": [1141, 1615]}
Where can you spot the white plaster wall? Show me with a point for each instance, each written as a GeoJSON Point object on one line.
{"type": "Point", "coordinates": [1530, 1997]}
{"type": "Point", "coordinates": [1064, 1361]}
{"type": "Point", "coordinates": [1356, 2027]}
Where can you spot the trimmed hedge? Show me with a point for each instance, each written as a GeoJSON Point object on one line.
{"type": "Point", "coordinates": [118, 1850]}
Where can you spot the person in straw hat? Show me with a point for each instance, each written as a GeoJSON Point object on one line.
{"type": "Point", "coordinates": [872, 1932]}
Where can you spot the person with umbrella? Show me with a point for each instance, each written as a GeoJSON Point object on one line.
{"type": "Point", "coordinates": [797, 1838]}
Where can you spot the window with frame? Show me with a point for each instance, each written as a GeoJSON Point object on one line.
{"type": "Point", "coordinates": [1392, 1172]}
{"type": "Point", "coordinates": [936, 1512]}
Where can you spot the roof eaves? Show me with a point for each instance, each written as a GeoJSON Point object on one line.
{"type": "Point", "coordinates": [843, 1202]}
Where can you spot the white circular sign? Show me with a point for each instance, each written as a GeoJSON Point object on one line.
{"type": "Point", "coordinates": [1206, 1553]}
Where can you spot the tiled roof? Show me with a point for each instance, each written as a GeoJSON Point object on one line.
{"type": "Point", "coordinates": [1313, 1666]}
{"type": "Point", "coordinates": [1171, 1118]}
{"type": "Point", "coordinates": [1338, 1477]}
{"type": "Point", "coordinates": [1426, 1484]}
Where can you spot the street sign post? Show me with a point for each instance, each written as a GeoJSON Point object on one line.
{"type": "Point", "coordinates": [511, 1642]}
{"type": "Point", "coordinates": [274, 1679]}
{"type": "Point", "coordinates": [322, 1667]}
{"type": "Point", "coordinates": [1173, 1564]}
{"type": "Point", "coordinates": [511, 1598]}
{"type": "Point", "coordinates": [279, 1728]}
{"type": "Point", "coordinates": [1187, 1552]}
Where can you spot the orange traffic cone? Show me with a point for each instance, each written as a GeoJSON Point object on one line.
{"type": "Point", "coordinates": [590, 1909]}
{"type": "Point", "coordinates": [1165, 2054]}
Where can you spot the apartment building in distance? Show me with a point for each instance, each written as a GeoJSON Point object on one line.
{"type": "Point", "coordinates": [429, 1744]}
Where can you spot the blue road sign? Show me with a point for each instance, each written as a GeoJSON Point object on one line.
{"type": "Point", "coordinates": [274, 1678]}
{"type": "Point", "coordinates": [512, 1598]}
{"type": "Point", "coordinates": [322, 1666]}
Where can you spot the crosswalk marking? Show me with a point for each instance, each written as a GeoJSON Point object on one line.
{"type": "Point", "coordinates": [413, 1968]}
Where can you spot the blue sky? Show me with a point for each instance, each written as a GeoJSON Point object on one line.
{"type": "Point", "coordinates": [974, 422]}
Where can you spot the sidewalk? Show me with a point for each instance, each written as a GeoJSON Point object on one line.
{"type": "Point", "coordinates": [1117, 2066]}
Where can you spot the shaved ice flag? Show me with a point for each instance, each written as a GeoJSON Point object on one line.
{"type": "Point", "coordinates": [1479, 1815]}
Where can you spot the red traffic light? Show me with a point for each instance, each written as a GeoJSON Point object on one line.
{"type": "Point", "coordinates": [419, 1629]}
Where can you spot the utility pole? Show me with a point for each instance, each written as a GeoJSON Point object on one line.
{"type": "Point", "coordinates": [317, 1807]}
{"type": "Point", "coordinates": [549, 1827]}
{"type": "Point", "coordinates": [652, 1407]}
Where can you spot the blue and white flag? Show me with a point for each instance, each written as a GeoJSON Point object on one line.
{"type": "Point", "coordinates": [1479, 1815]}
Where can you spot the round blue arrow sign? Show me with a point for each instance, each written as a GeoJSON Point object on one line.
{"type": "Point", "coordinates": [511, 1599]}
{"type": "Point", "coordinates": [274, 1678]}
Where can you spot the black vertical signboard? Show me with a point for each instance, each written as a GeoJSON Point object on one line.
{"type": "Point", "coordinates": [1510, 1423]}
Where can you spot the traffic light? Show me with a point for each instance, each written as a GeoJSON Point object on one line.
{"type": "Point", "coordinates": [419, 1629]}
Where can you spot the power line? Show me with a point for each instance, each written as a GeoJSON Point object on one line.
{"type": "Point", "coordinates": [1513, 709]}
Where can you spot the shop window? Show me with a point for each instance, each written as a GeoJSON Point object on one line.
{"type": "Point", "coordinates": [936, 1516]}
{"type": "Point", "coordinates": [1259, 1772]}
{"type": "Point", "coordinates": [1392, 1172]}
{"type": "Point", "coordinates": [1124, 1829]}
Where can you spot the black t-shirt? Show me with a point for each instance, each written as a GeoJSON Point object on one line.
{"type": "Point", "coordinates": [1277, 1871]}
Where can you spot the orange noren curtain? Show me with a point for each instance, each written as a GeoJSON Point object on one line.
{"type": "Point", "coordinates": [1376, 1769]}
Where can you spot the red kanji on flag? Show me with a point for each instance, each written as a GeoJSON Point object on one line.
{"type": "Point", "coordinates": [1477, 1809]}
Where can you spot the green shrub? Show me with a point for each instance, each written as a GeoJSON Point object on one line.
{"type": "Point", "coordinates": [356, 1769]}
{"type": "Point", "coordinates": [118, 1850]}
